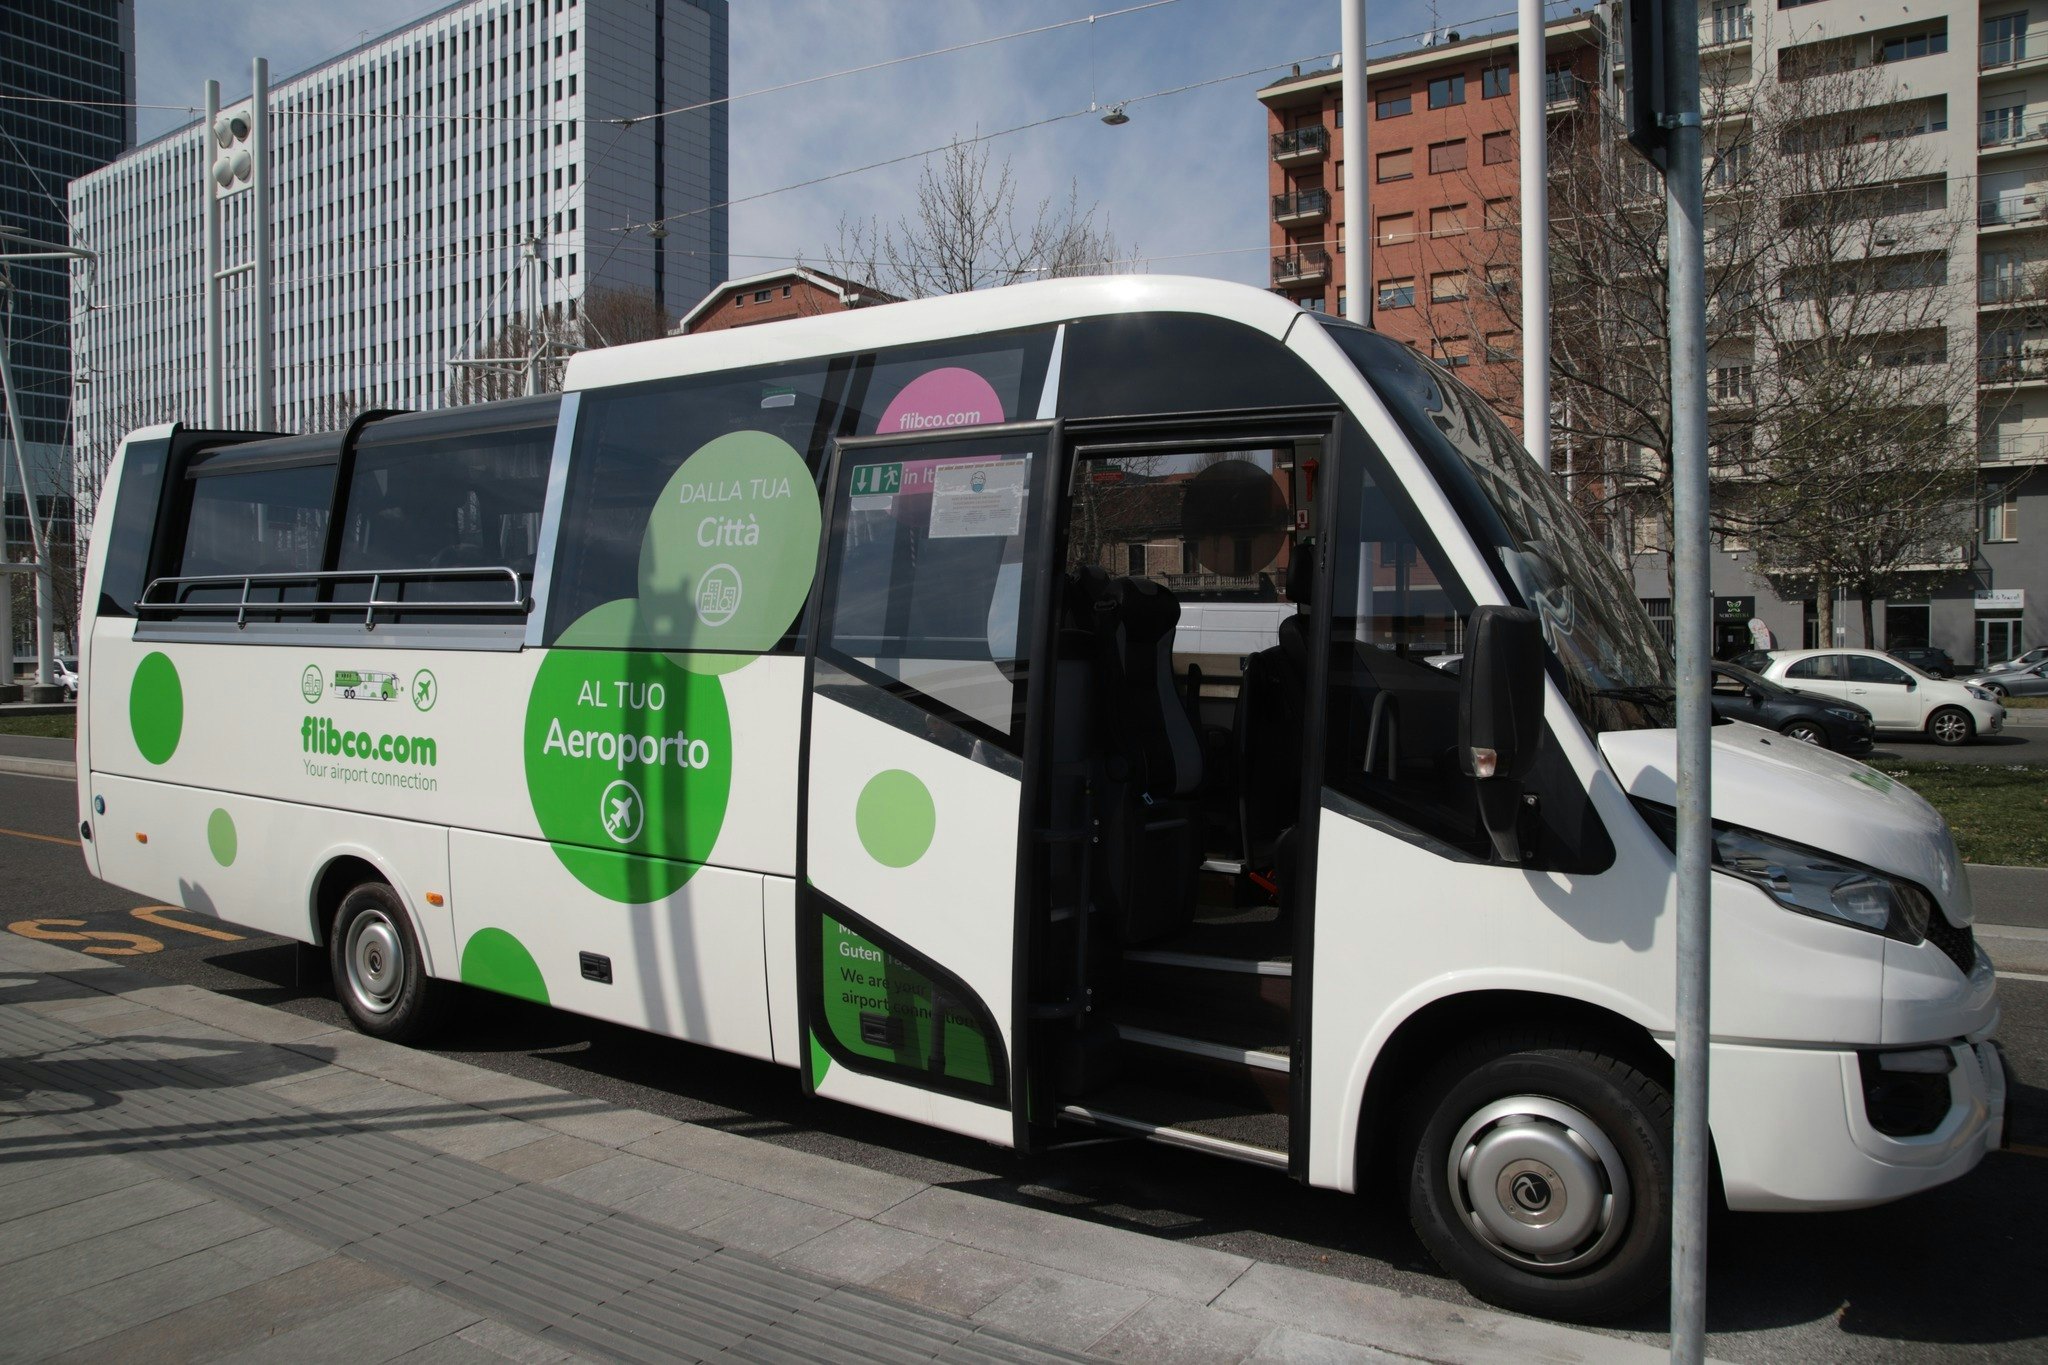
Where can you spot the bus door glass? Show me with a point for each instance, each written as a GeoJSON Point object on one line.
{"type": "Point", "coordinates": [920, 685]}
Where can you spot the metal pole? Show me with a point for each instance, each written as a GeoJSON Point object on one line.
{"type": "Point", "coordinates": [209, 149]}
{"type": "Point", "coordinates": [537, 285]}
{"type": "Point", "coordinates": [1357, 107]}
{"type": "Point", "coordinates": [1685, 224]}
{"type": "Point", "coordinates": [46, 586]}
{"type": "Point", "coordinates": [1535, 233]}
{"type": "Point", "coordinates": [259, 239]}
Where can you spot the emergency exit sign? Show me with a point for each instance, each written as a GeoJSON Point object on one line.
{"type": "Point", "coordinates": [877, 480]}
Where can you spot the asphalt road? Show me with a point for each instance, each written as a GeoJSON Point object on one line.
{"type": "Point", "coordinates": [1957, 1272]}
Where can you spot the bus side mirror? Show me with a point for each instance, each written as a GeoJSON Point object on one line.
{"type": "Point", "coordinates": [1500, 717]}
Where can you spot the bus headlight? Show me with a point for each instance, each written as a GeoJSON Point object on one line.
{"type": "Point", "coordinates": [1813, 882]}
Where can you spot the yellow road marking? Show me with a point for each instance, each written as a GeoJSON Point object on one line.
{"type": "Point", "coordinates": [154, 914]}
{"type": "Point", "coordinates": [57, 931]}
{"type": "Point", "coordinates": [39, 838]}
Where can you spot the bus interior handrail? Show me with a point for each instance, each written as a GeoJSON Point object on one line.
{"type": "Point", "coordinates": [152, 604]}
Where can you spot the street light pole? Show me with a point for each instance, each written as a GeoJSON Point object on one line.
{"type": "Point", "coordinates": [210, 198]}
{"type": "Point", "coordinates": [1357, 106]}
{"type": "Point", "coordinates": [1535, 168]}
{"type": "Point", "coordinates": [259, 238]}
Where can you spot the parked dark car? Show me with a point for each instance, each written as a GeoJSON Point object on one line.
{"type": "Point", "coordinates": [1935, 663]}
{"type": "Point", "coordinates": [1843, 726]}
{"type": "Point", "coordinates": [1756, 661]}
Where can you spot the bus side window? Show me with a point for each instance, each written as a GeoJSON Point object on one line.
{"type": "Point", "coordinates": [255, 521]}
{"type": "Point", "coordinates": [1396, 627]}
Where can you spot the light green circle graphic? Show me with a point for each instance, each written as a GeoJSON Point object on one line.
{"type": "Point", "coordinates": [426, 690]}
{"type": "Point", "coordinates": [895, 818]}
{"type": "Point", "coordinates": [311, 685]}
{"type": "Point", "coordinates": [496, 961]}
{"type": "Point", "coordinates": [220, 837]}
{"type": "Point", "coordinates": [730, 546]}
{"type": "Point", "coordinates": [629, 767]}
{"type": "Point", "coordinates": [156, 707]}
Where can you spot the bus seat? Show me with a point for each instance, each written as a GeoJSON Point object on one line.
{"type": "Point", "coordinates": [1153, 826]}
{"type": "Point", "coordinates": [1271, 704]}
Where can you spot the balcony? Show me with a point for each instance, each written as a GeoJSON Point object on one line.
{"type": "Point", "coordinates": [2013, 128]}
{"type": "Point", "coordinates": [1730, 24]}
{"type": "Point", "coordinates": [1301, 146]}
{"type": "Point", "coordinates": [2013, 210]}
{"type": "Point", "coordinates": [2007, 371]}
{"type": "Point", "coordinates": [2008, 450]}
{"type": "Point", "coordinates": [1305, 267]}
{"type": "Point", "coordinates": [1563, 92]}
{"type": "Point", "coordinates": [1301, 208]}
{"type": "Point", "coordinates": [2011, 52]}
{"type": "Point", "coordinates": [1994, 291]}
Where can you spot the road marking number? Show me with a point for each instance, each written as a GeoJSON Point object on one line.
{"type": "Point", "coordinates": [154, 914]}
{"type": "Point", "coordinates": [59, 931]}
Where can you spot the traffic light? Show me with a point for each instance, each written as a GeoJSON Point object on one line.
{"type": "Point", "coordinates": [234, 150]}
{"type": "Point", "coordinates": [1646, 81]}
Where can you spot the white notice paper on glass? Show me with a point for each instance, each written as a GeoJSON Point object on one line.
{"type": "Point", "coordinates": [978, 498]}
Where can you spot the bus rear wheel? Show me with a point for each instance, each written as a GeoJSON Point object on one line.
{"type": "Point", "coordinates": [1540, 1176]}
{"type": "Point", "coordinates": [379, 972]}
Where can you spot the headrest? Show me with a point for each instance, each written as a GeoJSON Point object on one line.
{"type": "Point", "coordinates": [1149, 611]}
{"type": "Point", "coordinates": [1301, 574]}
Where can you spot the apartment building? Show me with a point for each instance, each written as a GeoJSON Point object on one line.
{"type": "Point", "coordinates": [1963, 86]}
{"type": "Point", "coordinates": [1444, 179]}
{"type": "Point", "coordinates": [494, 158]}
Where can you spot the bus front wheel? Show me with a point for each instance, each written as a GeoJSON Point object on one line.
{"type": "Point", "coordinates": [379, 972]}
{"type": "Point", "coordinates": [1540, 1176]}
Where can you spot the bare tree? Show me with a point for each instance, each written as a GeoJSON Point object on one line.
{"type": "Point", "coordinates": [605, 317]}
{"type": "Point", "coordinates": [967, 233]}
{"type": "Point", "coordinates": [1838, 332]}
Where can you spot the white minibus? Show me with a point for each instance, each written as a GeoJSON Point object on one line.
{"type": "Point", "coordinates": [1014, 712]}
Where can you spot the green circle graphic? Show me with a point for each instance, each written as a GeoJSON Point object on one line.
{"type": "Point", "coordinates": [496, 961]}
{"type": "Point", "coordinates": [220, 837]}
{"type": "Point", "coordinates": [895, 818]}
{"type": "Point", "coordinates": [629, 768]}
{"type": "Point", "coordinates": [311, 685]}
{"type": "Point", "coordinates": [156, 707]}
{"type": "Point", "coordinates": [426, 690]}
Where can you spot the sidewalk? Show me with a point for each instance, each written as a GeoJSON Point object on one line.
{"type": "Point", "coordinates": [38, 756]}
{"type": "Point", "coordinates": [187, 1175]}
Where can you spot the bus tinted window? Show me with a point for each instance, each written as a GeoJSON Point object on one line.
{"type": "Point", "coordinates": [126, 551]}
{"type": "Point", "coordinates": [641, 536]}
{"type": "Point", "coordinates": [258, 521]}
{"type": "Point", "coordinates": [464, 500]}
{"type": "Point", "coordinates": [957, 384]}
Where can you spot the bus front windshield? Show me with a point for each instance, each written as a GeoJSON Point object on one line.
{"type": "Point", "coordinates": [1617, 673]}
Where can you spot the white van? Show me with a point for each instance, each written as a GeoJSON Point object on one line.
{"type": "Point", "coordinates": [1013, 711]}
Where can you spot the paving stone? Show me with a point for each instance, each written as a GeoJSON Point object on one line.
{"type": "Point", "coordinates": [236, 1016]}
{"type": "Point", "coordinates": [149, 1294]}
{"type": "Point", "coordinates": [769, 1224]}
{"type": "Point", "coordinates": [954, 1279]}
{"type": "Point", "coordinates": [858, 1252]}
{"type": "Point", "coordinates": [473, 1133]}
{"type": "Point", "coordinates": [1061, 1309]}
{"type": "Point", "coordinates": [612, 1127]}
{"type": "Point", "coordinates": [1118, 1255]}
{"type": "Point", "coordinates": [1410, 1325]}
{"type": "Point", "coordinates": [67, 1182]}
{"type": "Point", "coordinates": [814, 1179]}
{"type": "Point", "coordinates": [1287, 1346]}
{"type": "Point", "coordinates": [273, 1251]}
{"type": "Point", "coordinates": [61, 1226]}
{"type": "Point", "coordinates": [397, 1320]}
{"type": "Point", "coordinates": [690, 1200]}
{"type": "Point", "coordinates": [109, 1256]}
{"type": "Point", "coordinates": [52, 1326]}
{"type": "Point", "coordinates": [619, 1178]}
{"type": "Point", "coordinates": [450, 1350]}
{"type": "Point", "coordinates": [1169, 1332]}
{"type": "Point", "coordinates": [555, 1154]}
{"type": "Point", "coordinates": [513, 1344]}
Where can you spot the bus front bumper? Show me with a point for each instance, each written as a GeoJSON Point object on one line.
{"type": "Point", "coordinates": [1793, 1127]}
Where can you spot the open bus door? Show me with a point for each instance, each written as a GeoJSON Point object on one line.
{"type": "Point", "coordinates": [924, 672]}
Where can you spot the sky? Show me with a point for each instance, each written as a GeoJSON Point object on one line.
{"type": "Point", "coordinates": [1182, 186]}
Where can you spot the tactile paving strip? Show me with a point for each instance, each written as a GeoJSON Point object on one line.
{"type": "Point", "coordinates": [596, 1281]}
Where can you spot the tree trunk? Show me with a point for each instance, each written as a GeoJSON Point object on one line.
{"type": "Point", "coordinates": [1823, 613]}
{"type": "Point", "coordinates": [1869, 630]}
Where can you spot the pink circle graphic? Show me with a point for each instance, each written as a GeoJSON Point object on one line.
{"type": "Point", "coordinates": [939, 400]}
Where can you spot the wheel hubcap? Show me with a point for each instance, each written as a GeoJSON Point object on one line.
{"type": "Point", "coordinates": [1806, 734]}
{"type": "Point", "coordinates": [1949, 727]}
{"type": "Point", "coordinates": [375, 955]}
{"type": "Point", "coordinates": [1539, 1183]}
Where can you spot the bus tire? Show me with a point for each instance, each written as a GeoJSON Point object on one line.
{"type": "Point", "coordinates": [379, 972]}
{"type": "Point", "coordinates": [1540, 1176]}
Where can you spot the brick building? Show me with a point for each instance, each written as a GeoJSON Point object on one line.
{"type": "Point", "coordinates": [1443, 196]}
{"type": "Point", "coordinates": [798, 292]}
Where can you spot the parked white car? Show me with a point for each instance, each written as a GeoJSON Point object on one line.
{"type": "Point", "coordinates": [1897, 695]}
{"type": "Point", "coordinates": [66, 677]}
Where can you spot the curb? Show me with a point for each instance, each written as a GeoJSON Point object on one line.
{"type": "Point", "coordinates": [38, 767]}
